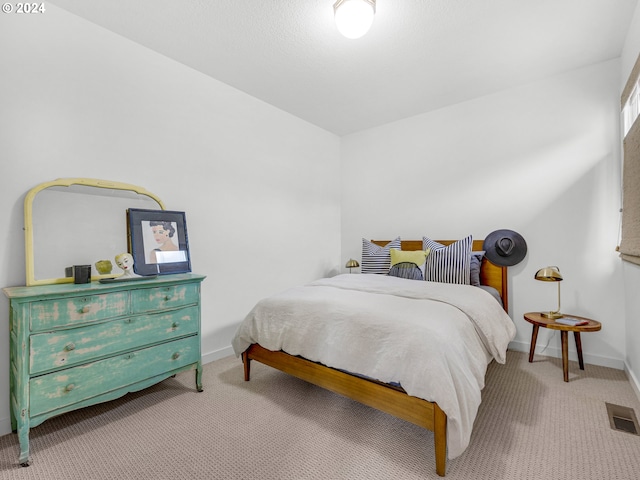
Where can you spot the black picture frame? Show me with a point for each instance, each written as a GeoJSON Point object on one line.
{"type": "Point", "coordinates": [144, 227]}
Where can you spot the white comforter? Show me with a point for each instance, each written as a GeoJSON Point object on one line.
{"type": "Point", "coordinates": [435, 339]}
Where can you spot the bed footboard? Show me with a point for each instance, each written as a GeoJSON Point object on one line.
{"type": "Point", "coordinates": [383, 397]}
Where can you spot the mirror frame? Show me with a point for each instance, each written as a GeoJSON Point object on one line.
{"type": "Point", "coordinates": [66, 182]}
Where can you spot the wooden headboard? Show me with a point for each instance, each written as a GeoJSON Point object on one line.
{"type": "Point", "coordinates": [490, 274]}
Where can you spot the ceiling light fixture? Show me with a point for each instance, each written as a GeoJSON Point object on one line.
{"type": "Point", "coordinates": [354, 17]}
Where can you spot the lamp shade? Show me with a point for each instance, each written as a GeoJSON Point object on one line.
{"type": "Point", "coordinates": [549, 274]}
{"type": "Point", "coordinates": [354, 17]}
{"type": "Point", "coordinates": [352, 263]}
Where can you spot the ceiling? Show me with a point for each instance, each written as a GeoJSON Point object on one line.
{"type": "Point", "coordinates": [419, 55]}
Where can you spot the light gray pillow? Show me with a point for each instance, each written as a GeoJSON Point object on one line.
{"type": "Point", "coordinates": [476, 263]}
{"type": "Point", "coordinates": [493, 292]}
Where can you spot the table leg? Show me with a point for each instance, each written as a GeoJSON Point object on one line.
{"type": "Point", "coordinates": [534, 338]}
{"type": "Point", "coordinates": [565, 354]}
{"type": "Point", "coordinates": [576, 335]}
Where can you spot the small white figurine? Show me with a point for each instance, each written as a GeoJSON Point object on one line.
{"type": "Point", "coordinates": [125, 262]}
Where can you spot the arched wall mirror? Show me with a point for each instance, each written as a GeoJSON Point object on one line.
{"type": "Point", "coordinates": [78, 221]}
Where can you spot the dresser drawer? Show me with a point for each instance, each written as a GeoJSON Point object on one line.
{"type": "Point", "coordinates": [66, 387]}
{"type": "Point", "coordinates": [160, 298]}
{"type": "Point", "coordinates": [52, 350]}
{"type": "Point", "coordinates": [63, 312]}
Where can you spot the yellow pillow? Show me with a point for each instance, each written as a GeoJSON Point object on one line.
{"type": "Point", "coordinates": [412, 256]}
{"type": "Point", "coordinates": [408, 263]}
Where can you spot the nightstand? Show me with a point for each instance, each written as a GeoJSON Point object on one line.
{"type": "Point", "coordinates": [537, 320]}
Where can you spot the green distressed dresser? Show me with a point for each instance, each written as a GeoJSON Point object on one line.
{"type": "Point", "coordinates": [78, 345]}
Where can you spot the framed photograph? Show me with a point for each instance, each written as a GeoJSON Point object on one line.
{"type": "Point", "coordinates": [158, 241]}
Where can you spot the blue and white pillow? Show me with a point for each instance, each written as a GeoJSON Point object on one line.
{"type": "Point", "coordinates": [448, 264]}
{"type": "Point", "coordinates": [377, 259]}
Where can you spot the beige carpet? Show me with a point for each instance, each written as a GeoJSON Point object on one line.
{"type": "Point", "coordinates": [531, 425]}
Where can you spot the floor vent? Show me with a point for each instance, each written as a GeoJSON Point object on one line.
{"type": "Point", "coordinates": [623, 419]}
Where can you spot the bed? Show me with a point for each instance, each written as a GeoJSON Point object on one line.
{"type": "Point", "coordinates": [428, 393]}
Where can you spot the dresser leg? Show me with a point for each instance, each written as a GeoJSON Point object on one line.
{"type": "Point", "coordinates": [23, 438]}
{"type": "Point", "coordinates": [199, 377]}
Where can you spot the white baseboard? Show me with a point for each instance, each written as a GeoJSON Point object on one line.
{"type": "Point", "coordinates": [633, 380]}
{"type": "Point", "coordinates": [5, 426]}
{"type": "Point", "coordinates": [217, 354]}
{"type": "Point", "coordinates": [556, 352]}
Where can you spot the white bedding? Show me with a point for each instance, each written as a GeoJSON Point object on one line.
{"type": "Point", "coordinates": [435, 339]}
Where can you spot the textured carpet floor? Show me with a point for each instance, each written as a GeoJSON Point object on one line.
{"type": "Point", "coordinates": [531, 425]}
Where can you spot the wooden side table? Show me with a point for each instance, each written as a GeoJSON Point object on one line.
{"type": "Point", "coordinates": [537, 320]}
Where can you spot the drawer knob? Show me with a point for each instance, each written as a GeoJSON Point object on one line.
{"type": "Point", "coordinates": [86, 309]}
{"type": "Point", "coordinates": [174, 325]}
{"type": "Point", "coordinates": [69, 387]}
{"type": "Point", "coordinates": [70, 346]}
{"type": "Point", "coordinates": [175, 356]}
{"type": "Point", "coordinates": [128, 320]}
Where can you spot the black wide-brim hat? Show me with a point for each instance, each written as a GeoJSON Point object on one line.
{"type": "Point", "coordinates": [505, 248]}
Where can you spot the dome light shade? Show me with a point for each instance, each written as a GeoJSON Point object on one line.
{"type": "Point", "coordinates": [351, 264]}
{"type": "Point", "coordinates": [354, 17]}
{"type": "Point", "coordinates": [551, 274]}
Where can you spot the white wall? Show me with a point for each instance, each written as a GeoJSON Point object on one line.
{"type": "Point", "coordinates": [260, 187]}
{"type": "Point", "coordinates": [629, 56]}
{"type": "Point", "coordinates": [542, 159]}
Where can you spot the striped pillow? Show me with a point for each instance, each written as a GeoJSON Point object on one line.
{"type": "Point", "coordinates": [450, 264]}
{"type": "Point", "coordinates": [377, 259]}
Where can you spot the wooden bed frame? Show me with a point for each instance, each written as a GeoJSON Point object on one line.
{"type": "Point", "coordinates": [387, 398]}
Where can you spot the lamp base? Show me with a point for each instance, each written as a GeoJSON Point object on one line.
{"type": "Point", "coordinates": [553, 315]}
